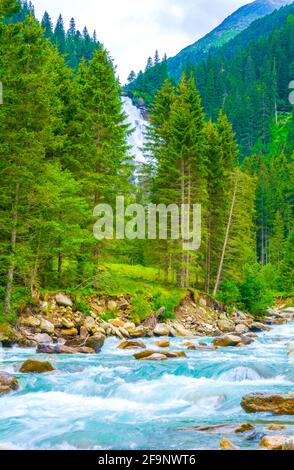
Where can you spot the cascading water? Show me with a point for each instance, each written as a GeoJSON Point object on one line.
{"type": "Point", "coordinates": [111, 401]}
{"type": "Point", "coordinates": [137, 122]}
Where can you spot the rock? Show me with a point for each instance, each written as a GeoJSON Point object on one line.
{"type": "Point", "coordinates": [188, 344]}
{"type": "Point", "coordinates": [244, 428]}
{"type": "Point", "coordinates": [257, 327]}
{"type": "Point", "coordinates": [8, 383]}
{"type": "Point", "coordinates": [46, 326]}
{"type": "Point", "coordinates": [162, 344]}
{"type": "Point", "coordinates": [63, 349]}
{"type": "Point", "coordinates": [118, 323]}
{"type": "Point", "coordinates": [289, 444]}
{"type": "Point", "coordinates": [129, 326]}
{"type": "Point", "coordinates": [83, 332]}
{"type": "Point", "coordinates": [150, 323]}
{"type": "Point", "coordinates": [132, 345]}
{"type": "Point", "coordinates": [146, 353]}
{"type": "Point", "coordinates": [67, 323]}
{"type": "Point", "coordinates": [160, 312]}
{"type": "Point", "coordinates": [85, 350]}
{"type": "Point", "coordinates": [71, 332]}
{"type": "Point", "coordinates": [228, 340]}
{"type": "Point", "coordinates": [181, 331]}
{"type": "Point", "coordinates": [226, 444]}
{"type": "Point", "coordinates": [31, 322]}
{"type": "Point", "coordinates": [95, 342]}
{"type": "Point", "coordinates": [276, 427]}
{"type": "Point", "coordinates": [155, 357]}
{"type": "Point", "coordinates": [42, 338]}
{"type": "Point", "coordinates": [212, 428]}
{"type": "Point", "coordinates": [35, 366]}
{"type": "Point", "coordinates": [255, 436]}
{"type": "Point", "coordinates": [174, 354]}
{"type": "Point", "coordinates": [161, 330]}
{"type": "Point", "coordinates": [264, 403]}
{"type": "Point", "coordinates": [226, 326]}
{"type": "Point", "coordinates": [111, 305]}
{"type": "Point", "coordinates": [90, 324]}
{"type": "Point", "coordinates": [124, 332]}
{"type": "Point", "coordinates": [275, 442]}
{"type": "Point", "coordinates": [63, 300]}
{"type": "Point", "coordinates": [241, 329]}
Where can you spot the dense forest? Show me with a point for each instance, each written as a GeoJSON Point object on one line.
{"type": "Point", "coordinates": [63, 143]}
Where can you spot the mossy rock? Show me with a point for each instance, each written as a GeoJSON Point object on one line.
{"type": "Point", "coordinates": [35, 366]}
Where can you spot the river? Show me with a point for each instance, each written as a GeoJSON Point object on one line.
{"type": "Point", "coordinates": [111, 401]}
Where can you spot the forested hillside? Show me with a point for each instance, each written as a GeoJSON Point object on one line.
{"type": "Point", "coordinates": [63, 143]}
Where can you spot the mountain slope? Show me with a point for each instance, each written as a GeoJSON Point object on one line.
{"type": "Point", "coordinates": [227, 30]}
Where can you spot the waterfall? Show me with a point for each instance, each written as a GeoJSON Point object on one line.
{"type": "Point", "coordinates": [138, 123]}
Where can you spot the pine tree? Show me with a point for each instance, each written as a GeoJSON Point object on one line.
{"type": "Point", "coordinates": [59, 35]}
{"type": "Point", "coordinates": [47, 25]}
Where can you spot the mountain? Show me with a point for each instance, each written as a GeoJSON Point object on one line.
{"type": "Point", "coordinates": [227, 30]}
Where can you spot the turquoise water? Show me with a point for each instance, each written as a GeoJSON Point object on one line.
{"type": "Point", "coordinates": [111, 401]}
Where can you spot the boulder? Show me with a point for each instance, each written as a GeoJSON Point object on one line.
{"type": "Point", "coordinates": [35, 366]}
{"type": "Point", "coordinates": [64, 349]}
{"type": "Point", "coordinates": [241, 329]}
{"type": "Point", "coordinates": [95, 342]}
{"type": "Point", "coordinates": [71, 332]}
{"type": "Point", "coordinates": [168, 354]}
{"type": "Point", "coordinates": [277, 442]}
{"type": "Point", "coordinates": [47, 327]}
{"type": "Point", "coordinates": [228, 340]}
{"type": "Point", "coordinates": [42, 338]}
{"type": "Point", "coordinates": [90, 324]}
{"type": "Point", "coordinates": [118, 323]}
{"type": "Point", "coordinates": [181, 331]}
{"type": "Point", "coordinates": [276, 427]}
{"type": "Point", "coordinates": [8, 383]}
{"type": "Point", "coordinates": [244, 428]}
{"type": "Point", "coordinates": [83, 332]}
{"type": "Point", "coordinates": [162, 344]}
{"type": "Point", "coordinates": [226, 326]}
{"type": "Point", "coordinates": [31, 322]}
{"type": "Point", "coordinates": [155, 357]}
{"type": "Point", "coordinates": [132, 345]}
{"type": "Point", "coordinates": [161, 330]}
{"type": "Point", "coordinates": [258, 327]}
{"type": "Point", "coordinates": [63, 300]}
{"type": "Point", "coordinates": [226, 444]}
{"type": "Point", "coordinates": [265, 403]}
{"type": "Point", "coordinates": [66, 323]}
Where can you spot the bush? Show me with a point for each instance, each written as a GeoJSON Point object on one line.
{"type": "Point", "coordinates": [255, 294]}
{"type": "Point", "coordinates": [160, 299]}
{"type": "Point", "coordinates": [141, 308]}
{"type": "Point", "coordinates": [229, 293]}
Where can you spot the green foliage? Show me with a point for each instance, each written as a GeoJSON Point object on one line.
{"type": "Point", "coordinates": [229, 293]}
{"type": "Point", "coordinates": [256, 297]}
{"type": "Point", "coordinates": [109, 315]}
{"type": "Point", "coordinates": [141, 308]}
{"type": "Point", "coordinates": [166, 300]}
{"type": "Point", "coordinates": [80, 304]}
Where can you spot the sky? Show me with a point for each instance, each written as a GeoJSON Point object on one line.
{"type": "Point", "coordinates": [132, 30]}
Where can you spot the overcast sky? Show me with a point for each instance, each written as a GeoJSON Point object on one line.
{"type": "Point", "coordinates": [133, 29]}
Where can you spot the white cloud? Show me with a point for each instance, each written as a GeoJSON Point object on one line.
{"type": "Point", "coordinates": [133, 29]}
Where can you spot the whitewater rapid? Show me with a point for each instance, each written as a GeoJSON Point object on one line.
{"type": "Point", "coordinates": [111, 401]}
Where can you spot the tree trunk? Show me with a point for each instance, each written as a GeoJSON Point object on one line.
{"type": "Point", "coordinates": [10, 273]}
{"type": "Point", "coordinates": [220, 269]}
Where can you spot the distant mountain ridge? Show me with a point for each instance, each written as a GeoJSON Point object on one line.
{"type": "Point", "coordinates": [233, 25]}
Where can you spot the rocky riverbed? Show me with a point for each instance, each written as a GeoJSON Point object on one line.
{"type": "Point", "coordinates": [116, 385]}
